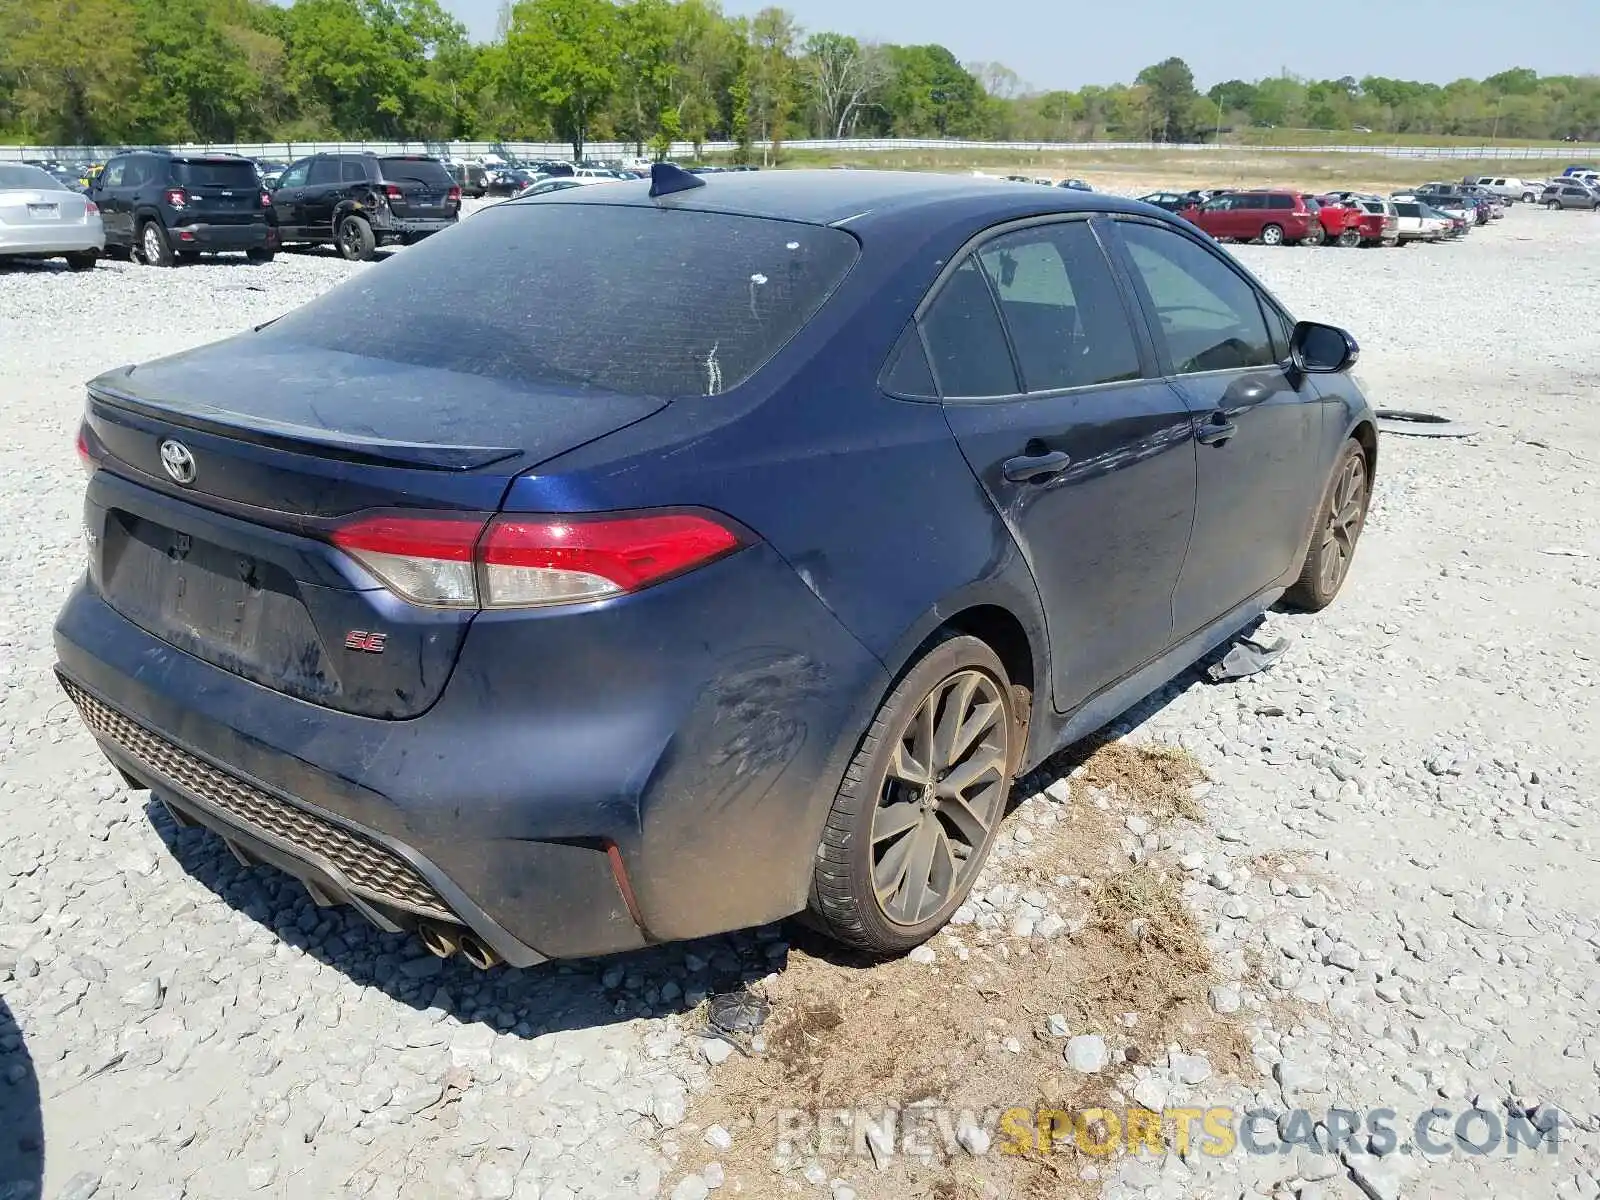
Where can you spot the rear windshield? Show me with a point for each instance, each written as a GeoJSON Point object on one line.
{"type": "Point", "coordinates": [420, 170]}
{"type": "Point", "coordinates": [28, 177]}
{"type": "Point", "coordinates": [642, 301]}
{"type": "Point", "coordinates": [224, 173]}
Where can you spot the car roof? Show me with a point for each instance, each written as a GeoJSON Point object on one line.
{"type": "Point", "coordinates": [861, 198]}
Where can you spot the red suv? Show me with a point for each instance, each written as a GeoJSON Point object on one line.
{"type": "Point", "coordinates": [1273, 217]}
{"type": "Point", "coordinates": [1380, 222]}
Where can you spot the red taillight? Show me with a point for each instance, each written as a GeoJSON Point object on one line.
{"type": "Point", "coordinates": [90, 208]}
{"type": "Point", "coordinates": [516, 561]}
{"type": "Point", "coordinates": [563, 560]}
{"type": "Point", "coordinates": [84, 459]}
{"type": "Point", "coordinates": [393, 192]}
{"type": "Point", "coordinates": [455, 195]}
{"type": "Point", "coordinates": [176, 197]}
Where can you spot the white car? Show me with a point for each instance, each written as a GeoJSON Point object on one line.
{"type": "Point", "coordinates": [560, 183]}
{"type": "Point", "coordinates": [1415, 224]}
{"type": "Point", "coordinates": [1468, 215]}
{"type": "Point", "coordinates": [40, 217]}
{"type": "Point", "coordinates": [1510, 187]}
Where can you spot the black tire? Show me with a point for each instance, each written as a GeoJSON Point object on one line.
{"type": "Point", "coordinates": [154, 246]}
{"type": "Point", "coordinates": [1350, 238]}
{"type": "Point", "coordinates": [1272, 235]}
{"type": "Point", "coordinates": [355, 240]}
{"type": "Point", "coordinates": [1553, 205]}
{"type": "Point", "coordinates": [119, 253]}
{"type": "Point", "coordinates": [1341, 516]}
{"type": "Point", "coordinates": [954, 829]}
{"type": "Point", "coordinates": [257, 254]}
{"type": "Point", "coordinates": [1317, 236]}
{"type": "Point", "coordinates": [82, 262]}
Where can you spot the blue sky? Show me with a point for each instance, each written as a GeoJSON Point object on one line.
{"type": "Point", "coordinates": [1054, 44]}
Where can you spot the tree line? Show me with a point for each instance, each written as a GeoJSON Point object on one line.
{"type": "Point", "coordinates": [649, 72]}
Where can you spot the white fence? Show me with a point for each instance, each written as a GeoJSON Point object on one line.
{"type": "Point", "coordinates": [286, 151]}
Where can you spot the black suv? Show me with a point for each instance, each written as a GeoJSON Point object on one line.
{"type": "Point", "coordinates": [359, 202]}
{"type": "Point", "coordinates": [165, 206]}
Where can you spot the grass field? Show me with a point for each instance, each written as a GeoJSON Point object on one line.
{"type": "Point", "coordinates": [1347, 137]}
{"type": "Point", "coordinates": [1130, 170]}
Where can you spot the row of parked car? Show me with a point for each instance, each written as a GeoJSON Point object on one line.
{"type": "Point", "coordinates": [1434, 211]}
{"type": "Point", "coordinates": [165, 207]}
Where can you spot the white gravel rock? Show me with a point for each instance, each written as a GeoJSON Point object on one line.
{"type": "Point", "coordinates": [1087, 1053]}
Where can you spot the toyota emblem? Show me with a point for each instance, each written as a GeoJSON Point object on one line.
{"type": "Point", "coordinates": [177, 461]}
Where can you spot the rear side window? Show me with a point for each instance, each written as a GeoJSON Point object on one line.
{"type": "Point", "coordinates": [417, 170]}
{"type": "Point", "coordinates": [353, 171]}
{"type": "Point", "coordinates": [908, 373]}
{"type": "Point", "coordinates": [636, 300]}
{"type": "Point", "coordinates": [1207, 314]}
{"type": "Point", "coordinates": [1280, 202]}
{"type": "Point", "coordinates": [222, 173]}
{"type": "Point", "coordinates": [1061, 307]}
{"type": "Point", "coordinates": [966, 339]}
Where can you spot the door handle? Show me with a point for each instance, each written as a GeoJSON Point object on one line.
{"type": "Point", "coordinates": [1035, 468]}
{"type": "Point", "coordinates": [1217, 430]}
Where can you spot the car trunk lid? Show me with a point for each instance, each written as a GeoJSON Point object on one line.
{"type": "Point", "coordinates": [228, 470]}
{"type": "Point", "coordinates": [41, 206]}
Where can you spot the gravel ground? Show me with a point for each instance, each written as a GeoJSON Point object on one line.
{"type": "Point", "coordinates": [1398, 869]}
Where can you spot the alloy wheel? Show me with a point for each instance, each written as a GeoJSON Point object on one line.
{"type": "Point", "coordinates": [350, 239]}
{"type": "Point", "coordinates": [152, 244]}
{"type": "Point", "coordinates": [942, 793]}
{"type": "Point", "coordinates": [1347, 509]}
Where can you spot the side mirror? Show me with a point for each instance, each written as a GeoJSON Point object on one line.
{"type": "Point", "coordinates": [1322, 349]}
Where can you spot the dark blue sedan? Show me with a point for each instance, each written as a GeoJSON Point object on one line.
{"type": "Point", "coordinates": [737, 574]}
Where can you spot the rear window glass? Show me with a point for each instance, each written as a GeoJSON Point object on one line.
{"type": "Point", "coordinates": [641, 301]}
{"type": "Point", "coordinates": [421, 170]}
{"type": "Point", "coordinates": [211, 173]}
{"type": "Point", "coordinates": [28, 177]}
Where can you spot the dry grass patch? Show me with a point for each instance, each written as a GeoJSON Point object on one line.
{"type": "Point", "coordinates": [968, 1034]}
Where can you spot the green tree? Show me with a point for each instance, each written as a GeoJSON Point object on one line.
{"type": "Point", "coordinates": [1172, 95]}
{"type": "Point", "coordinates": [561, 60]}
{"type": "Point", "coordinates": [766, 88]}
{"type": "Point", "coordinates": [645, 67]}
{"type": "Point", "coordinates": [73, 66]}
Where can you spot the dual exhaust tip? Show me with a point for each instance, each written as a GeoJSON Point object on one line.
{"type": "Point", "coordinates": [448, 941]}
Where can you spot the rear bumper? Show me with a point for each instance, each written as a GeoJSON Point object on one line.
{"type": "Point", "coordinates": [221, 237]}
{"type": "Point", "coordinates": [413, 226]}
{"type": "Point", "coordinates": [651, 769]}
{"type": "Point", "coordinates": [51, 238]}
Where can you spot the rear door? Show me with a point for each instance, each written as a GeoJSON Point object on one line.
{"type": "Point", "coordinates": [1258, 422]}
{"type": "Point", "coordinates": [324, 185]}
{"type": "Point", "coordinates": [418, 188]}
{"type": "Point", "coordinates": [288, 200]}
{"type": "Point", "coordinates": [1050, 390]}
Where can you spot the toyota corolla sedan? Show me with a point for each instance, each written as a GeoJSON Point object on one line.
{"type": "Point", "coordinates": [738, 577]}
{"type": "Point", "coordinates": [41, 217]}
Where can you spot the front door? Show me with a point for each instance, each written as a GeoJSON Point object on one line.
{"type": "Point", "coordinates": [1257, 421]}
{"type": "Point", "coordinates": [1051, 392]}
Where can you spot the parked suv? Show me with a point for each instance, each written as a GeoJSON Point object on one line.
{"type": "Point", "coordinates": [165, 207]}
{"type": "Point", "coordinates": [1569, 193]}
{"type": "Point", "coordinates": [1507, 187]}
{"type": "Point", "coordinates": [359, 202]}
{"type": "Point", "coordinates": [1273, 217]}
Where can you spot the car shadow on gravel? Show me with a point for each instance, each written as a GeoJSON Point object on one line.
{"type": "Point", "coordinates": [21, 1120]}
{"type": "Point", "coordinates": [576, 994]}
